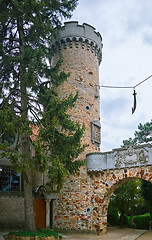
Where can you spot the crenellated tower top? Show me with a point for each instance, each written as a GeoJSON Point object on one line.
{"type": "Point", "coordinates": [81, 35]}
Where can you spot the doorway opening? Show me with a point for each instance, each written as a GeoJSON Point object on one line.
{"type": "Point", "coordinates": [51, 213]}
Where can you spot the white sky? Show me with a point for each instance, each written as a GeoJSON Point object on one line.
{"type": "Point", "coordinates": [126, 29]}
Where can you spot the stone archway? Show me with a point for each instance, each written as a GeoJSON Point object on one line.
{"type": "Point", "coordinates": [109, 170]}
{"type": "Point", "coordinates": [83, 202]}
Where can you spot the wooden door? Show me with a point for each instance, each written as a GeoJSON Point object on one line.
{"type": "Point", "coordinates": [40, 213]}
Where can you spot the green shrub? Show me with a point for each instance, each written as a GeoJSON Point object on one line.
{"type": "Point", "coordinates": [142, 221]}
{"type": "Point", "coordinates": [40, 233]}
{"type": "Point", "coordinates": [126, 220]}
{"type": "Point", "coordinates": [132, 225]}
{"type": "Point", "coordinates": [113, 219]}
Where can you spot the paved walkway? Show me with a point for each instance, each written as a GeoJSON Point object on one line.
{"type": "Point", "coordinates": [114, 233]}
{"type": "Point", "coordinates": [133, 235]}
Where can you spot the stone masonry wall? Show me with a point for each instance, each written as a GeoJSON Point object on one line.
{"type": "Point", "coordinates": [73, 209]}
{"type": "Point", "coordinates": [84, 78]}
{"type": "Point", "coordinates": [11, 211]}
{"type": "Point", "coordinates": [83, 203]}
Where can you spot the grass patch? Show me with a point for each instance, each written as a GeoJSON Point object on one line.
{"type": "Point", "coordinates": [39, 233]}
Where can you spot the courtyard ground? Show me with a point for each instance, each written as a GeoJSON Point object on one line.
{"type": "Point", "coordinates": [113, 233]}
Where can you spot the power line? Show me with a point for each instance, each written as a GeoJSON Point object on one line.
{"type": "Point", "coordinates": [142, 81]}
{"type": "Point", "coordinates": [133, 87]}
{"type": "Point", "coordinates": [108, 86]}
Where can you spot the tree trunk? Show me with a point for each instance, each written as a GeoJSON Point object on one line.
{"type": "Point", "coordinates": [28, 205]}
{"type": "Point", "coordinates": [27, 175]}
{"type": "Point", "coordinates": [131, 217]}
{"type": "Point", "coordinates": [122, 220]}
{"type": "Point", "coordinates": [25, 138]}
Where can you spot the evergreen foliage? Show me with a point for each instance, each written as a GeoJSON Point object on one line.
{"type": "Point", "coordinates": [26, 28]}
{"type": "Point", "coordinates": [142, 135]}
{"type": "Point", "coordinates": [59, 138]}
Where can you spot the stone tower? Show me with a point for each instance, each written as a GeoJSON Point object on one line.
{"type": "Point", "coordinates": [81, 48]}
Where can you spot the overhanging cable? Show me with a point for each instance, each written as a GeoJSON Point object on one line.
{"type": "Point", "coordinates": [108, 86]}
{"type": "Point", "coordinates": [133, 87]}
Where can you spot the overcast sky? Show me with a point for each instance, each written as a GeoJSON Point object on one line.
{"type": "Point", "coordinates": [126, 29]}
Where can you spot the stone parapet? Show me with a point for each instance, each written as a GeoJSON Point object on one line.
{"type": "Point", "coordinates": [132, 156]}
{"type": "Point", "coordinates": [81, 35]}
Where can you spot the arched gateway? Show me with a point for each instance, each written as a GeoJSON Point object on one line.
{"type": "Point", "coordinates": [83, 203]}
{"type": "Point", "coordinates": [109, 170]}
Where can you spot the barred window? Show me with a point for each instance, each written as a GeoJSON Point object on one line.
{"type": "Point", "coordinates": [9, 180]}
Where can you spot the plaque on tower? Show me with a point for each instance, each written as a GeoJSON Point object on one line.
{"type": "Point", "coordinates": [95, 132]}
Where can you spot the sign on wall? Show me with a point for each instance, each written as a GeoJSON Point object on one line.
{"type": "Point", "coordinates": [95, 132]}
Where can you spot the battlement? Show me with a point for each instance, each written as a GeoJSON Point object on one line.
{"type": "Point", "coordinates": [82, 35]}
